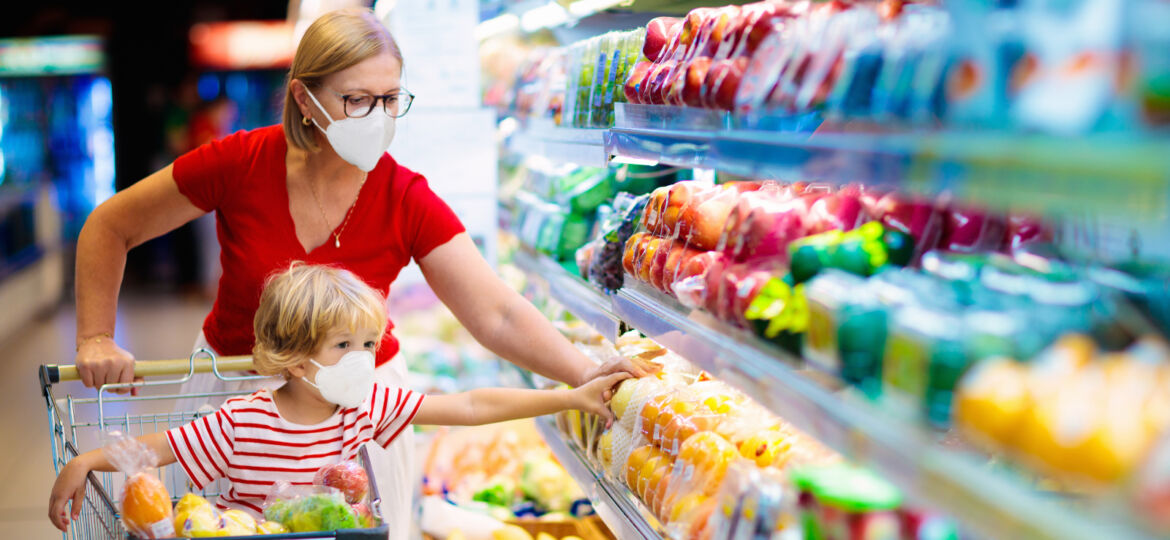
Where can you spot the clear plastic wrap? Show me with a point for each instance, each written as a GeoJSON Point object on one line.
{"type": "Point", "coordinates": [310, 508]}
{"type": "Point", "coordinates": [146, 504]}
{"type": "Point", "coordinates": [348, 477]}
{"type": "Point", "coordinates": [751, 504]}
{"type": "Point", "coordinates": [970, 230]}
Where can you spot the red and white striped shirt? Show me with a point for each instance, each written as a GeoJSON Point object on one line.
{"type": "Point", "coordinates": [250, 444]}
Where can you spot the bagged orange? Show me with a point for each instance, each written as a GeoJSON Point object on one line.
{"type": "Point", "coordinates": [146, 504]}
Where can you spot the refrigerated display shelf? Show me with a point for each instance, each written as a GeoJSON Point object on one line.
{"type": "Point", "coordinates": [577, 146]}
{"type": "Point", "coordinates": [1105, 174]}
{"type": "Point", "coordinates": [991, 502]}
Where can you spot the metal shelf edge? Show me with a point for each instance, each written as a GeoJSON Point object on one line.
{"type": "Point", "coordinates": [609, 501]}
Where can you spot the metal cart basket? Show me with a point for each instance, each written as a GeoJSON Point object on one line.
{"type": "Point", "coordinates": [76, 425]}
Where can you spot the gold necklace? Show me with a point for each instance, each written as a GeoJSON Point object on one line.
{"type": "Point", "coordinates": [348, 211]}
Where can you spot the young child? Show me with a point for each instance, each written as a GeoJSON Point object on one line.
{"type": "Point", "coordinates": [319, 327]}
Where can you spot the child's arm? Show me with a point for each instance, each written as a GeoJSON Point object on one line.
{"type": "Point", "coordinates": [70, 483]}
{"type": "Point", "coordinates": [490, 405]}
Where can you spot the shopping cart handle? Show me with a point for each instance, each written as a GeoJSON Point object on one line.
{"type": "Point", "coordinates": [54, 373]}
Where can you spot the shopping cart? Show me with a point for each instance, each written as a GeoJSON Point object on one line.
{"type": "Point", "coordinates": [77, 424]}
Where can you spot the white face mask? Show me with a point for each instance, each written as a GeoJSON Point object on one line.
{"type": "Point", "coordinates": [359, 141]}
{"type": "Point", "coordinates": [348, 382]}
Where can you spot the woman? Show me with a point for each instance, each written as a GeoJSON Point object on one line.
{"type": "Point", "coordinates": [319, 188]}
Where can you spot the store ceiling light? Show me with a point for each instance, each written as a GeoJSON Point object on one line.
{"type": "Point", "coordinates": [503, 24]}
{"type": "Point", "coordinates": [546, 16]}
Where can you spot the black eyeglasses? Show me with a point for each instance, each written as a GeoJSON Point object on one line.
{"type": "Point", "coordinates": [361, 105]}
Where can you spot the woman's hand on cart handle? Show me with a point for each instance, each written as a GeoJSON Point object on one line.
{"type": "Point", "coordinates": [101, 361]}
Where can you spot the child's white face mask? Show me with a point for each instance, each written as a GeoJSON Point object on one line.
{"type": "Point", "coordinates": [348, 382]}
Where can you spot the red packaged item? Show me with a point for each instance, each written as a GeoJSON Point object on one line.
{"type": "Point", "coordinates": [636, 81]}
{"type": "Point", "coordinates": [723, 81]}
{"type": "Point", "coordinates": [659, 33]}
{"type": "Point", "coordinates": [674, 263]}
{"type": "Point", "coordinates": [764, 223]}
{"type": "Point", "coordinates": [655, 87]}
{"type": "Point", "coordinates": [917, 217]}
{"type": "Point", "coordinates": [839, 211]}
{"type": "Point", "coordinates": [738, 285]}
{"type": "Point", "coordinates": [970, 230]}
{"type": "Point", "coordinates": [690, 282]}
{"type": "Point", "coordinates": [721, 31]}
{"type": "Point", "coordinates": [703, 221]}
{"type": "Point", "coordinates": [693, 82]}
{"type": "Point", "coordinates": [1024, 230]}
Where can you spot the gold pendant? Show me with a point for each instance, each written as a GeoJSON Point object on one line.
{"type": "Point", "coordinates": [337, 242]}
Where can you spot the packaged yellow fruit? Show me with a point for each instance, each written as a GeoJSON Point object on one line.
{"type": "Point", "coordinates": [545, 536]}
{"type": "Point", "coordinates": [511, 532]}
{"type": "Point", "coordinates": [192, 501]}
{"type": "Point", "coordinates": [621, 398]}
{"type": "Point", "coordinates": [238, 523]}
{"type": "Point", "coordinates": [605, 449]}
{"type": "Point", "coordinates": [271, 527]}
{"type": "Point", "coordinates": [991, 400]}
{"type": "Point", "coordinates": [198, 523]}
{"type": "Point", "coordinates": [767, 448]}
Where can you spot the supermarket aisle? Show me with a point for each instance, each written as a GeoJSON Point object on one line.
{"type": "Point", "coordinates": [151, 327]}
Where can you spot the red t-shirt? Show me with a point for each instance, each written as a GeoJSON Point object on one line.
{"type": "Point", "coordinates": [242, 178]}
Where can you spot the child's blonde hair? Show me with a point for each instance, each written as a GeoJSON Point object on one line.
{"type": "Point", "coordinates": [302, 305]}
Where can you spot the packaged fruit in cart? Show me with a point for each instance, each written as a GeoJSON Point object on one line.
{"type": "Point", "coordinates": [310, 508]}
{"type": "Point", "coordinates": [146, 504]}
{"type": "Point", "coordinates": [348, 477]}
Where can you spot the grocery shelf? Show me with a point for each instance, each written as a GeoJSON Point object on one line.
{"type": "Point", "coordinates": [989, 501]}
{"type": "Point", "coordinates": [624, 516]}
{"type": "Point", "coordinates": [1105, 174]}
{"type": "Point", "coordinates": [561, 145]}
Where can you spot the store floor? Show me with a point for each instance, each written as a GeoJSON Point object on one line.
{"type": "Point", "coordinates": [156, 326]}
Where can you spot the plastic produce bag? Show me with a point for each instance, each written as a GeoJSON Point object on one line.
{"type": "Point", "coordinates": [146, 504]}
{"type": "Point", "coordinates": [309, 508]}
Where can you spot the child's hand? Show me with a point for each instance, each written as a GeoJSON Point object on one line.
{"type": "Point", "coordinates": [70, 484]}
{"type": "Point", "coordinates": [594, 395]}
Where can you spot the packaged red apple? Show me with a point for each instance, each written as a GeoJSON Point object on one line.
{"type": "Point", "coordinates": [971, 230]}
{"type": "Point", "coordinates": [348, 477]}
{"type": "Point", "coordinates": [1024, 231]}
{"type": "Point", "coordinates": [844, 26]}
{"type": "Point", "coordinates": [146, 504]}
{"type": "Point", "coordinates": [805, 37]}
{"type": "Point", "coordinates": [765, 221]}
{"type": "Point", "coordinates": [732, 291]}
{"type": "Point", "coordinates": [917, 217]}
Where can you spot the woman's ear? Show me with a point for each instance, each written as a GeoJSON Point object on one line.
{"type": "Point", "coordinates": [301, 97]}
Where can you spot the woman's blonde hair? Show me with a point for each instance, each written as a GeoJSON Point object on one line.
{"type": "Point", "coordinates": [335, 41]}
{"type": "Point", "coordinates": [300, 306]}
